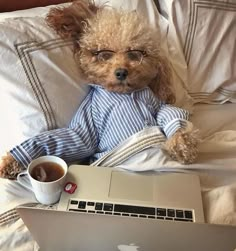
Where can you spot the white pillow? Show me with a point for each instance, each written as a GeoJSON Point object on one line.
{"type": "Point", "coordinates": [33, 12]}
{"type": "Point", "coordinates": [202, 34]}
{"type": "Point", "coordinates": [41, 87]}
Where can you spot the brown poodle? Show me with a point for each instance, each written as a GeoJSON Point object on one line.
{"type": "Point", "coordinates": [120, 52]}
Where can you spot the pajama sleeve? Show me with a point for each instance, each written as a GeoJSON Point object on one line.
{"type": "Point", "coordinates": [76, 142]}
{"type": "Point", "coordinates": [171, 118]}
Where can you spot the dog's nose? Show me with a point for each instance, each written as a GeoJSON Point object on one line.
{"type": "Point", "coordinates": [121, 73]}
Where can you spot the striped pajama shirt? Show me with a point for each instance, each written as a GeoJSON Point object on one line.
{"type": "Point", "coordinates": [103, 120]}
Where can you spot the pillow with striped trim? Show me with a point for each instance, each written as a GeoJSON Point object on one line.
{"type": "Point", "coordinates": [40, 86]}
{"type": "Point", "coordinates": [203, 31]}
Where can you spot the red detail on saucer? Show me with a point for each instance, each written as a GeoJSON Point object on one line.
{"type": "Point", "coordinates": [70, 187]}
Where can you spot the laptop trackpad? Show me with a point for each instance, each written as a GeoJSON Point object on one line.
{"type": "Point", "coordinates": [131, 186]}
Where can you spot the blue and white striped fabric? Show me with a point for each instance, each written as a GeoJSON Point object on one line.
{"type": "Point", "coordinates": [103, 120]}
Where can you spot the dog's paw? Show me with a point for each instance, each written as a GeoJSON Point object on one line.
{"type": "Point", "coordinates": [183, 145]}
{"type": "Point", "coordinates": [9, 167]}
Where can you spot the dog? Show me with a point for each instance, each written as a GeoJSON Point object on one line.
{"type": "Point", "coordinates": [131, 88]}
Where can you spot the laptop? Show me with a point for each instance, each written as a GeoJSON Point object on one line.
{"type": "Point", "coordinates": [105, 209]}
{"type": "Point", "coordinates": [103, 190]}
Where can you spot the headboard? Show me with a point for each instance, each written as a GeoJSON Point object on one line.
{"type": "Point", "coordinates": [11, 5]}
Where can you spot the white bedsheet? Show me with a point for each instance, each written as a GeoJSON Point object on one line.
{"type": "Point", "coordinates": [216, 167]}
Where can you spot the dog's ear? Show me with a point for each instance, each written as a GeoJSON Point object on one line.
{"type": "Point", "coordinates": [69, 22]}
{"type": "Point", "coordinates": [162, 83]}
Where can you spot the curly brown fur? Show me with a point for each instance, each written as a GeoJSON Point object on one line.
{"type": "Point", "coordinates": [9, 167]}
{"type": "Point", "coordinates": [69, 22]}
{"type": "Point", "coordinates": [98, 28]}
{"type": "Point", "coordinates": [183, 145]}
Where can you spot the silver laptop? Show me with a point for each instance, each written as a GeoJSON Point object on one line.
{"type": "Point", "coordinates": [102, 190]}
{"type": "Point", "coordinates": [123, 211]}
{"type": "Point", "coordinates": [71, 231]}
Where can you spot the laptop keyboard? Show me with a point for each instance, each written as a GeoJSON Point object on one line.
{"type": "Point", "coordinates": [96, 207]}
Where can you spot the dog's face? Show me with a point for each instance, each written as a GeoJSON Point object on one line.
{"type": "Point", "coordinates": [119, 51]}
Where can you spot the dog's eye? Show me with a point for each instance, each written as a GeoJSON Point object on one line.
{"type": "Point", "coordinates": [136, 56]}
{"type": "Point", "coordinates": [105, 55]}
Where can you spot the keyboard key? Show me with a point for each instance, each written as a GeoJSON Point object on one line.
{"type": "Point", "coordinates": [160, 218]}
{"type": "Point", "coordinates": [168, 218]}
{"type": "Point", "coordinates": [143, 216]}
{"type": "Point", "coordinates": [78, 210]}
{"type": "Point", "coordinates": [90, 203]}
{"type": "Point", "coordinates": [134, 209]}
{"type": "Point", "coordinates": [82, 204]}
{"type": "Point", "coordinates": [108, 207]}
{"type": "Point", "coordinates": [179, 219]}
{"type": "Point", "coordinates": [188, 214]}
{"type": "Point", "coordinates": [91, 211]}
{"type": "Point", "coordinates": [161, 211]}
{"type": "Point", "coordinates": [74, 202]}
{"type": "Point", "coordinates": [179, 213]}
{"type": "Point", "coordinates": [98, 206]}
{"type": "Point", "coordinates": [125, 214]}
{"type": "Point", "coordinates": [171, 212]}
{"type": "Point", "coordinates": [117, 214]}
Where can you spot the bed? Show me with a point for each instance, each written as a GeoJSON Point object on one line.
{"type": "Point", "coordinates": [199, 38]}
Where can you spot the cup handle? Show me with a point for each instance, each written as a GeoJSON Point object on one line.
{"type": "Point", "coordinates": [23, 179]}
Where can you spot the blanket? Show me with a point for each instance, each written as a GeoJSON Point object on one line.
{"type": "Point", "coordinates": [215, 166]}
{"type": "Point", "coordinates": [143, 151]}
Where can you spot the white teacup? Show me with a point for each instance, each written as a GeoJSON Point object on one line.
{"type": "Point", "coordinates": [46, 192]}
